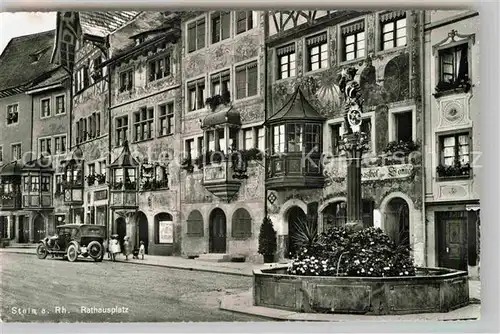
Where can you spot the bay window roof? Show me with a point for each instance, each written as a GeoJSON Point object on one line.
{"type": "Point", "coordinates": [42, 164]}
{"type": "Point", "coordinates": [12, 168]}
{"type": "Point", "coordinates": [125, 159]}
{"type": "Point", "coordinates": [297, 108]}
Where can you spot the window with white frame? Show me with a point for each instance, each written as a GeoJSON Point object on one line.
{"type": "Point", "coordinates": [81, 78]}
{"type": "Point", "coordinates": [159, 68]}
{"type": "Point", "coordinates": [58, 184]}
{"type": "Point", "coordinates": [286, 61]}
{"type": "Point", "coordinates": [295, 136]}
{"type": "Point", "coordinates": [102, 167]}
{"type": "Point", "coordinates": [12, 114]}
{"type": "Point", "coordinates": [353, 38]}
{"type": "Point", "coordinates": [196, 94]}
{"type": "Point", "coordinates": [248, 139]}
{"type": "Point", "coordinates": [45, 146]}
{"type": "Point", "coordinates": [244, 21]}
{"type": "Point", "coordinates": [211, 140]}
{"type": "Point", "coordinates": [279, 139]}
{"type": "Point", "coordinates": [261, 141]}
{"type": "Point", "coordinates": [166, 119]}
{"type": "Point", "coordinates": [45, 184]}
{"type": "Point", "coordinates": [91, 169]}
{"type": "Point", "coordinates": [60, 105]}
{"type": "Point", "coordinates": [317, 52]}
{"type": "Point", "coordinates": [454, 155]}
{"type": "Point", "coordinates": [393, 26]}
{"type": "Point", "coordinates": [143, 124]}
{"type": "Point", "coordinates": [221, 25]}
{"type": "Point", "coordinates": [246, 80]}
{"type": "Point", "coordinates": [221, 83]}
{"type": "Point", "coordinates": [60, 144]}
{"type": "Point", "coordinates": [121, 130]}
{"type": "Point", "coordinates": [453, 64]}
{"type": "Point", "coordinates": [191, 149]}
{"type": "Point", "coordinates": [403, 126]}
{"type": "Point", "coordinates": [196, 35]}
{"type": "Point", "coordinates": [45, 108]}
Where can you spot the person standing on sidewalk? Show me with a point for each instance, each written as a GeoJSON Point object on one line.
{"type": "Point", "coordinates": [126, 247]}
{"type": "Point", "coordinates": [142, 250]}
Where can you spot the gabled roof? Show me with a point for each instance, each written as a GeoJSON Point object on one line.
{"type": "Point", "coordinates": [17, 65]}
{"type": "Point", "coordinates": [55, 78]}
{"type": "Point", "coordinates": [102, 24]}
{"type": "Point", "coordinates": [296, 108]}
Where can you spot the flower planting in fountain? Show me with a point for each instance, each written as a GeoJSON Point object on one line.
{"type": "Point", "coordinates": [365, 253]}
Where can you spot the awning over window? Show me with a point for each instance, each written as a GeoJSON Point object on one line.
{"type": "Point", "coordinates": [225, 116]}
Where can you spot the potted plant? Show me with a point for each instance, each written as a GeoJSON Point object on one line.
{"type": "Point", "coordinates": [101, 178]}
{"type": "Point", "coordinates": [90, 179]}
{"type": "Point", "coordinates": [267, 240]}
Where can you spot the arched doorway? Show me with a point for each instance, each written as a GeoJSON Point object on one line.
{"type": "Point", "coordinates": [397, 221]}
{"type": "Point", "coordinates": [121, 229]}
{"type": "Point", "coordinates": [294, 215]}
{"type": "Point", "coordinates": [142, 230]}
{"type": "Point", "coordinates": [39, 226]}
{"type": "Point", "coordinates": [217, 239]}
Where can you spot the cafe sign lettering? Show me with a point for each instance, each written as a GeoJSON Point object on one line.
{"type": "Point", "coordinates": [386, 172]}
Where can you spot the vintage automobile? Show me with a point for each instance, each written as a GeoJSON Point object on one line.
{"type": "Point", "coordinates": [72, 240]}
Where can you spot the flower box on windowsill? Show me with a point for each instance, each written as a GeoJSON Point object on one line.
{"type": "Point", "coordinates": [448, 88]}
{"type": "Point", "coordinates": [90, 179]}
{"type": "Point", "coordinates": [154, 185]}
{"type": "Point", "coordinates": [101, 178]}
{"type": "Point", "coordinates": [456, 172]}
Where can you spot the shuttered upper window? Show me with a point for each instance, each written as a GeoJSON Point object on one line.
{"type": "Point", "coordinates": [353, 37]}
{"type": "Point", "coordinates": [317, 52]}
{"type": "Point", "coordinates": [195, 224]}
{"type": "Point", "coordinates": [241, 224]}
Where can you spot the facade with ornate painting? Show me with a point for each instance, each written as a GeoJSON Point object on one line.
{"type": "Point", "coordinates": [452, 136]}
{"type": "Point", "coordinates": [306, 174]}
{"type": "Point", "coordinates": [223, 69]}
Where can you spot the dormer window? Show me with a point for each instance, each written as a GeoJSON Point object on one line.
{"type": "Point", "coordinates": [35, 57]}
{"type": "Point", "coordinates": [139, 40]}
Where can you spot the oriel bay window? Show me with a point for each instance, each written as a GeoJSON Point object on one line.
{"type": "Point", "coordinates": [393, 29]}
{"type": "Point", "coordinates": [143, 124]}
{"type": "Point", "coordinates": [279, 139]}
{"type": "Point", "coordinates": [294, 133]}
{"type": "Point", "coordinates": [286, 61]}
{"type": "Point", "coordinates": [221, 83]}
{"type": "Point", "coordinates": [317, 52]}
{"type": "Point", "coordinates": [353, 37]}
{"type": "Point", "coordinates": [196, 94]}
{"type": "Point", "coordinates": [124, 175]}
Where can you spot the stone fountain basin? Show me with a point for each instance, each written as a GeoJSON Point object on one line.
{"type": "Point", "coordinates": [431, 290]}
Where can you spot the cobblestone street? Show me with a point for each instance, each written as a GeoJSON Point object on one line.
{"type": "Point", "coordinates": [141, 293]}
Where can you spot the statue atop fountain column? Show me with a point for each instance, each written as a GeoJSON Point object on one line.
{"type": "Point", "coordinates": [352, 100]}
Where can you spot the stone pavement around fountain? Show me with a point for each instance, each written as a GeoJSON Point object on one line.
{"type": "Point", "coordinates": [243, 302]}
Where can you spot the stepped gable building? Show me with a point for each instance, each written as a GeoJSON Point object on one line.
{"type": "Point", "coordinates": [35, 118]}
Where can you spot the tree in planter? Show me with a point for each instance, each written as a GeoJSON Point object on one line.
{"type": "Point", "coordinates": [267, 240]}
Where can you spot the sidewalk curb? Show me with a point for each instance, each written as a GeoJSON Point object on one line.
{"type": "Point", "coordinates": [209, 270]}
{"type": "Point", "coordinates": [227, 304]}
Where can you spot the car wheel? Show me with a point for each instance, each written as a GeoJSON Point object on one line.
{"type": "Point", "coordinates": [72, 253]}
{"type": "Point", "coordinates": [95, 250]}
{"type": "Point", "coordinates": [41, 251]}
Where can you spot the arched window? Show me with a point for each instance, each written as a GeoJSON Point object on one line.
{"type": "Point", "coordinates": [195, 224]}
{"type": "Point", "coordinates": [241, 224]}
{"type": "Point", "coordinates": [164, 228]}
{"type": "Point", "coordinates": [335, 214]}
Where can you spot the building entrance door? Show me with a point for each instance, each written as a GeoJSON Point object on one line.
{"type": "Point", "coordinates": [452, 239]}
{"type": "Point", "coordinates": [217, 241]}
